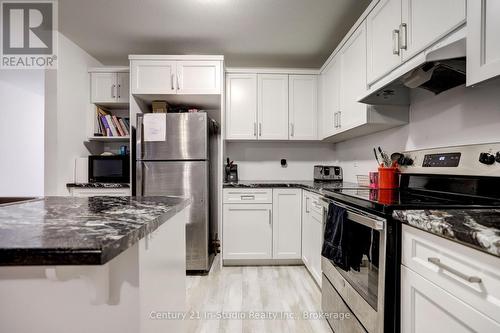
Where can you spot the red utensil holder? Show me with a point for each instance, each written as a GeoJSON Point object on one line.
{"type": "Point", "coordinates": [388, 178]}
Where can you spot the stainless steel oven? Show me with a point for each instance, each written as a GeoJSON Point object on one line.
{"type": "Point", "coordinates": [360, 293]}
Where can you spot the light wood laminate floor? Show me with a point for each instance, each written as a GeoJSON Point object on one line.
{"type": "Point", "coordinates": [286, 291]}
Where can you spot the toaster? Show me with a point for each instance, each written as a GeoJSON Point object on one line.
{"type": "Point", "coordinates": [327, 173]}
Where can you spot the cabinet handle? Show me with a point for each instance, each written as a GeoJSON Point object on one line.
{"type": "Point", "coordinates": [113, 91]}
{"type": "Point", "coordinates": [403, 37]}
{"type": "Point", "coordinates": [340, 118]}
{"type": "Point", "coordinates": [292, 129]}
{"type": "Point", "coordinates": [177, 81]}
{"type": "Point", "coordinates": [260, 129]}
{"type": "Point", "coordinates": [247, 197]}
{"type": "Point", "coordinates": [270, 217]}
{"type": "Point", "coordinates": [172, 81]}
{"type": "Point", "coordinates": [444, 267]}
{"type": "Point", "coordinates": [119, 95]}
{"type": "Point", "coordinates": [307, 206]}
{"type": "Point", "coordinates": [335, 120]}
{"type": "Point", "coordinates": [395, 42]}
{"type": "Point", "coordinates": [254, 129]}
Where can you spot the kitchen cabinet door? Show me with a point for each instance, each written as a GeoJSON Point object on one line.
{"type": "Point", "coordinates": [306, 230]}
{"type": "Point", "coordinates": [330, 92]}
{"type": "Point", "coordinates": [153, 77]}
{"type": "Point", "coordinates": [483, 48]}
{"type": "Point", "coordinates": [272, 106]}
{"type": "Point", "coordinates": [353, 80]}
{"type": "Point", "coordinates": [287, 223]}
{"type": "Point", "coordinates": [123, 87]}
{"type": "Point", "coordinates": [247, 231]}
{"type": "Point", "coordinates": [303, 110]}
{"type": "Point", "coordinates": [316, 237]}
{"type": "Point", "coordinates": [382, 26]}
{"type": "Point", "coordinates": [104, 87]}
{"type": "Point", "coordinates": [198, 77]}
{"type": "Point", "coordinates": [426, 308]}
{"type": "Point", "coordinates": [426, 21]}
{"type": "Point", "coordinates": [241, 106]}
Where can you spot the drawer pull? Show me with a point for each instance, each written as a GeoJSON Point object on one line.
{"type": "Point", "coordinates": [247, 197]}
{"type": "Point", "coordinates": [437, 262]}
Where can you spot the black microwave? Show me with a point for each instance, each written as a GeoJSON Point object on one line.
{"type": "Point", "coordinates": [109, 168]}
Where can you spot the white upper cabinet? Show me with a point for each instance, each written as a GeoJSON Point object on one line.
{"type": "Point", "coordinates": [303, 110]}
{"type": "Point", "coordinates": [330, 93]}
{"type": "Point", "coordinates": [353, 80]}
{"type": "Point", "coordinates": [383, 39]}
{"type": "Point", "coordinates": [272, 106]}
{"type": "Point", "coordinates": [109, 87]}
{"type": "Point", "coordinates": [241, 106]}
{"type": "Point", "coordinates": [103, 87]}
{"type": "Point", "coordinates": [287, 223]}
{"type": "Point", "coordinates": [123, 87]}
{"type": "Point", "coordinates": [426, 21]}
{"type": "Point", "coordinates": [198, 77]}
{"type": "Point", "coordinates": [483, 46]}
{"type": "Point", "coordinates": [153, 77]}
{"type": "Point", "coordinates": [170, 77]}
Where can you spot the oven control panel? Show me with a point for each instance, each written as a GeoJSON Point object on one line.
{"type": "Point", "coordinates": [443, 160]}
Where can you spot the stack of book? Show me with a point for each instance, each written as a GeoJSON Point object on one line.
{"type": "Point", "coordinates": [111, 125]}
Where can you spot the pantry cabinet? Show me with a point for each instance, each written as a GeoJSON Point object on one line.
{"type": "Point", "coordinates": [483, 48]}
{"type": "Point", "coordinates": [241, 106]}
{"type": "Point", "coordinates": [424, 22]}
{"type": "Point", "coordinates": [170, 77]}
{"type": "Point", "coordinates": [302, 107]}
{"type": "Point", "coordinates": [109, 87]}
{"type": "Point", "coordinates": [272, 106]}
{"type": "Point", "coordinates": [287, 223]}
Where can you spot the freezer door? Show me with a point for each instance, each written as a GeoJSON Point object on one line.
{"type": "Point", "coordinates": [186, 139]}
{"type": "Point", "coordinates": [186, 179]}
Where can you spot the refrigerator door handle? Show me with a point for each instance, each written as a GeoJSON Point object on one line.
{"type": "Point", "coordinates": [138, 138]}
{"type": "Point", "coordinates": [138, 176]}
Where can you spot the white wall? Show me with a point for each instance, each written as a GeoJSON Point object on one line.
{"type": "Point", "coordinates": [21, 132]}
{"type": "Point", "coordinates": [261, 160]}
{"type": "Point", "coordinates": [455, 117]}
{"type": "Point", "coordinates": [68, 108]}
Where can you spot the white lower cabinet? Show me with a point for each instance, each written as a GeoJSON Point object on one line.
{"type": "Point", "coordinates": [287, 223]}
{"type": "Point", "coordinates": [426, 308]}
{"type": "Point", "coordinates": [446, 286]}
{"type": "Point", "coordinates": [312, 234]}
{"type": "Point", "coordinates": [248, 231]}
{"type": "Point", "coordinates": [262, 224]}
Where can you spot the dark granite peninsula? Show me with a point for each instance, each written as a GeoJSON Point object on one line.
{"type": "Point", "coordinates": [478, 228]}
{"type": "Point", "coordinates": [79, 231]}
{"type": "Point", "coordinates": [95, 264]}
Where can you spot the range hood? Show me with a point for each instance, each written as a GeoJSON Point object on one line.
{"type": "Point", "coordinates": [437, 69]}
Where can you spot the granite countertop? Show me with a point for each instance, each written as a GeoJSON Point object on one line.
{"type": "Point", "coordinates": [98, 185]}
{"type": "Point", "coordinates": [477, 228]}
{"type": "Point", "coordinates": [78, 230]}
{"type": "Point", "coordinates": [317, 187]}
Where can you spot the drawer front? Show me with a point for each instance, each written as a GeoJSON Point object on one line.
{"type": "Point", "coordinates": [470, 275]}
{"type": "Point", "coordinates": [332, 303]}
{"type": "Point", "coordinates": [248, 196]}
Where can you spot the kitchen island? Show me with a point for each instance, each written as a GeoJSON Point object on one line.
{"type": "Point", "coordinates": [96, 264]}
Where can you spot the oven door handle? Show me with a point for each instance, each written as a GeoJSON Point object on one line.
{"type": "Point", "coordinates": [367, 221]}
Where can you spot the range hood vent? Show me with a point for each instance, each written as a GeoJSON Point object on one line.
{"type": "Point", "coordinates": [436, 70]}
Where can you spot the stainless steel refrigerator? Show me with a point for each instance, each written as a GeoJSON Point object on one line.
{"type": "Point", "coordinates": [182, 166]}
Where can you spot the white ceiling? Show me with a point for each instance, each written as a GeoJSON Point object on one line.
{"type": "Point", "coordinates": [282, 33]}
